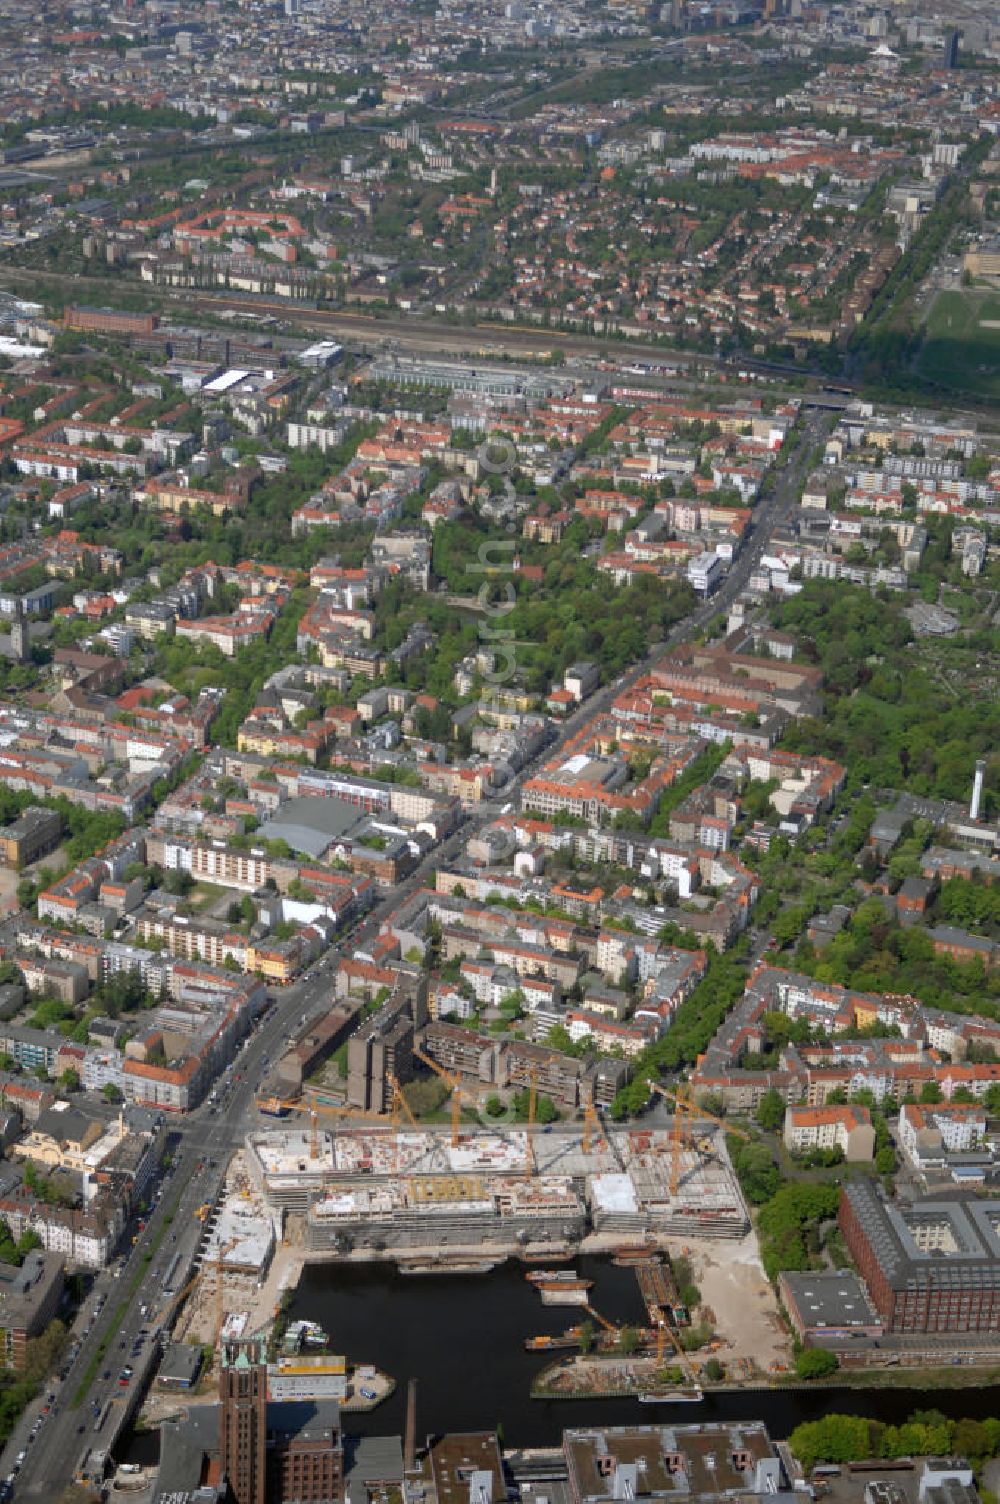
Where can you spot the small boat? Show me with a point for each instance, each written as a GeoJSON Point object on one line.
{"type": "Point", "coordinates": [460, 1266]}
{"type": "Point", "coordinates": [672, 1397]}
{"type": "Point", "coordinates": [546, 1343]}
{"type": "Point", "coordinates": [562, 1293]}
{"type": "Point", "coordinates": [553, 1277]}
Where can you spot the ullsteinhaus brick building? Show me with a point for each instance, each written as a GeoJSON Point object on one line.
{"type": "Point", "coordinates": [930, 1267]}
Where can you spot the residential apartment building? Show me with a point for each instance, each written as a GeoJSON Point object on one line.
{"type": "Point", "coordinates": [847, 1128]}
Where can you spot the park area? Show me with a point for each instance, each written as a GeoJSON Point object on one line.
{"type": "Point", "coordinates": [961, 348]}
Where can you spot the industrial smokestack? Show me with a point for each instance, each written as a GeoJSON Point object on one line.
{"type": "Point", "coordinates": [977, 790]}
{"type": "Point", "coordinates": [410, 1442]}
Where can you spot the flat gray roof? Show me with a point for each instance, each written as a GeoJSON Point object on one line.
{"type": "Point", "coordinates": [831, 1298]}
{"type": "Point", "coordinates": [180, 1364]}
{"type": "Point", "coordinates": [311, 824]}
{"type": "Point", "coordinates": [372, 1459]}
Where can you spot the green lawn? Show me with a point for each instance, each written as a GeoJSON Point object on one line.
{"type": "Point", "coordinates": [961, 349]}
{"type": "Point", "coordinates": [203, 895]}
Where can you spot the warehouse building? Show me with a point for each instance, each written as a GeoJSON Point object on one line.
{"type": "Point", "coordinates": [828, 1306]}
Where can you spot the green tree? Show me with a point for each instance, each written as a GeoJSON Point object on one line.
{"type": "Point", "coordinates": [628, 1341]}
{"type": "Point", "coordinates": [770, 1112]}
{"type": "Point", "coordinates": [756, 1171]}
{"type": "Point", "coordinates": [815, 1363]}
{"type": "Point", "coordinates": [971, 1439]}
{"type": "Point", "coordinates": [835, 1438]}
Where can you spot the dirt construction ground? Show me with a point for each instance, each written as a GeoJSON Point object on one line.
{"type": "Point", "coordinates": [734, 1287]}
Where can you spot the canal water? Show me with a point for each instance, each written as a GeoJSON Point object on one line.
{"type": "Point", "coordinates": [462, 1338]}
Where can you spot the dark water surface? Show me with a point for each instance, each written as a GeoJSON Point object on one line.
{"type": "Point", "coordinates": [462, 1338]}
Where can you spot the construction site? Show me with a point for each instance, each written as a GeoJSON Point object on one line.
{"type": "Point", "coordinates": [223, 1296]}
{"type": "Point", "coordinates": [366, 1191]}
{"type": "Point", "coordinates": [236, 1290]}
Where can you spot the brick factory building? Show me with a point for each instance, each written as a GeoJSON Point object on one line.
{"type": "Point", "coordinates": [110, 321]}
{"type": "Point", "coordinates": [933, 1266]}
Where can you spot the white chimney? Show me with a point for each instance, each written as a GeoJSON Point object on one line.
{"type": "Point", "coordinates": [977, 790]}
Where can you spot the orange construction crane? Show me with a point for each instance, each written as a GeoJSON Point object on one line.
{"type": "Point", "coordinates": [685, 1106]}
{"type": "Point", "coordinates": [663, 1331]}
{"type": "Point", "coordinates": [457, 1092]}
{"type": "Point", "coordinates": [603, 1321]}
{"type": "Point", "coordinates": [272, 1106]}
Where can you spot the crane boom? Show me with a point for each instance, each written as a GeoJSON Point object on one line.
{"type": "Point", "coordinates": [454, 1082]}
{"type": "Point", "coordinates": [685, 1106]}
{"type": "Point", "coordinates": [529, 1152]}
{"type": "Point", "coordinates": [399, 1102]}
{"type": "Point", "coordinates": [329, 1109]}
{"type": "Point", "coordinates": [591, 1123]}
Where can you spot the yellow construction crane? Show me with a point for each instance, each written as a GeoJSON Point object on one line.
{"type": "Point", "coordinates": [682, 1105]}
{"type": "Point", "coordinates": [663, 1331]}
{"type": "Point", "coordinates": [399, 1102]}
{"type": "Point", "coordinates": [685, 1106]}
{"type": "Point", "coordinates": [457, 1092]}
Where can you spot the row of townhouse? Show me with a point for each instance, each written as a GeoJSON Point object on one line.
{"type": "Point", "coordinates": [53, 774]}
{"type": "Point", "coordinates": [931, 1048]}
{"type": "Point", "coordinates": [521, 958]}
{"type": "Point", "coordinates": [220, 1008]}
{"type": "Point", "coordinates": [85, 1236]}
{"type": "Point", "coordinates": [63, 900]}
